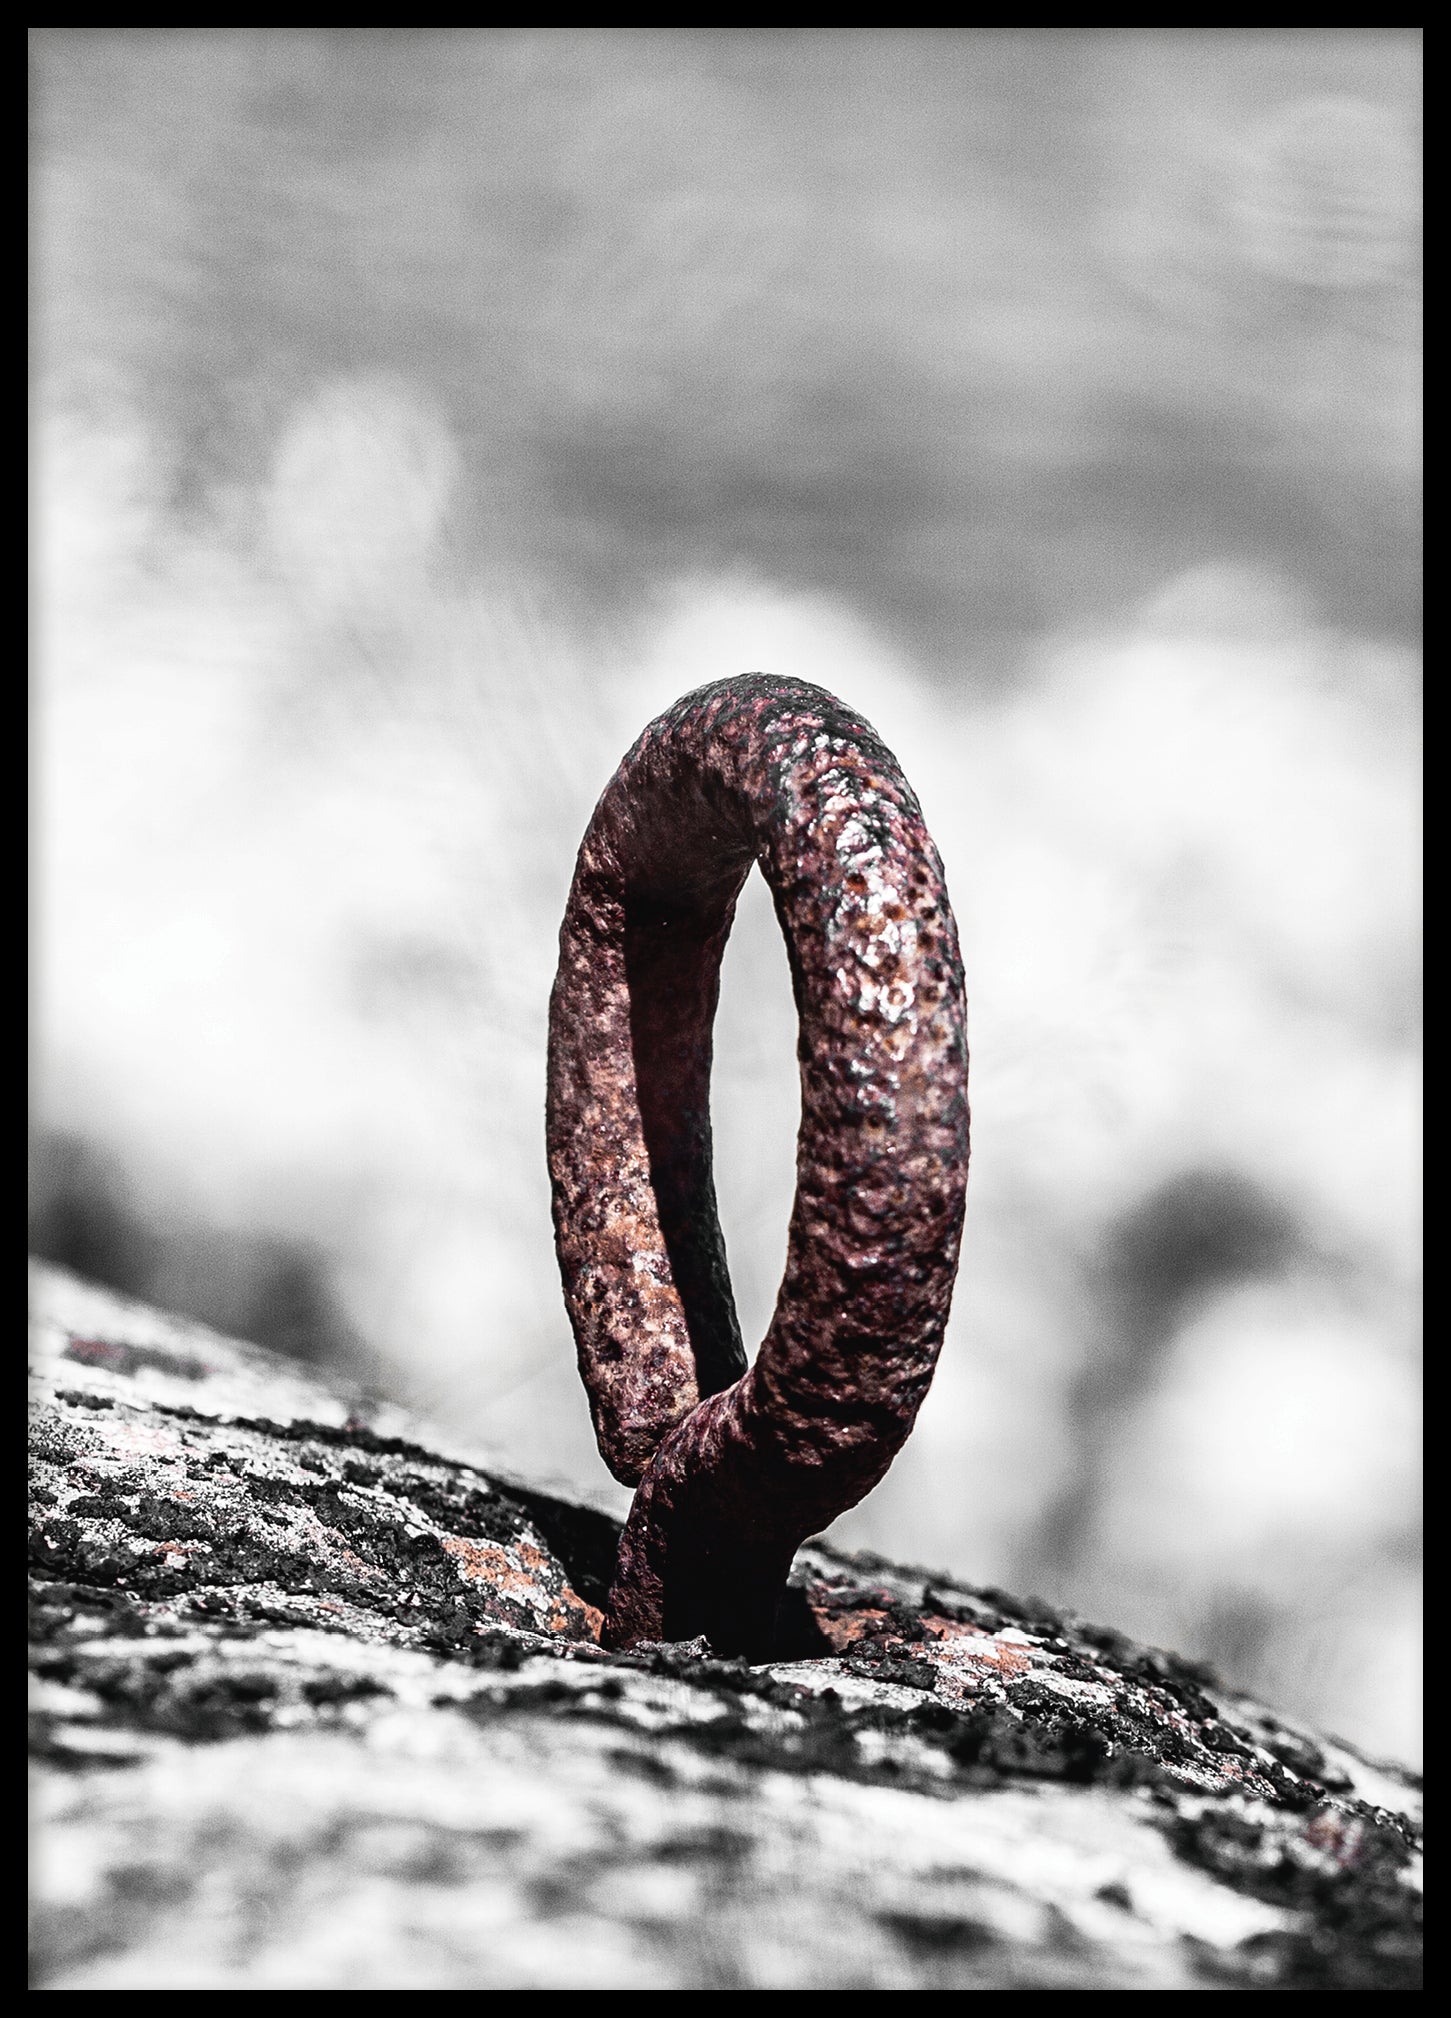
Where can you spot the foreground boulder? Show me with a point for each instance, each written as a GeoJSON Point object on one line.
{"type": "Point", "coordinates": [317, 1706]}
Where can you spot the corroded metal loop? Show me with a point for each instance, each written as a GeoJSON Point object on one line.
{"type": "Point", "coordinates": [735, 1467]}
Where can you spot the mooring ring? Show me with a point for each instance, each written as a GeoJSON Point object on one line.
{"type": "Point", "coordinates": [737, 1466]}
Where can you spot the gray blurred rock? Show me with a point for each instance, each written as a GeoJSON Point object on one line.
{"type": "Point", "coordinates": [318, 1706]}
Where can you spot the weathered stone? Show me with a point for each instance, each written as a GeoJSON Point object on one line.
{"type": "Point", "coordinates": [320, 1707]}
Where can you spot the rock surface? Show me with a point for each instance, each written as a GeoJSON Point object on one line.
{"type": "Point", "coordinates": [317, 1706]}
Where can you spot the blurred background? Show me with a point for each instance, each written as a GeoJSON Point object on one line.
{"type": "Point", "coordinates": [416, 414]}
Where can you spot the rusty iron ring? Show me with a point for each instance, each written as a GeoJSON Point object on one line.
{"type": "Point", "coordinates": [735, 1467]}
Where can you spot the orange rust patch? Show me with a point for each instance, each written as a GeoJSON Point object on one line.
{"type": "Point", "coordinates": [844, 1629]}
{"type": "Point", "coordinates": [953, 1629]}
{"type": "Point", "coordinates": [968, 1645]}
{"type": "Point", "coordinates": [526, 1573]}
{"type": "Point", "coordinates": [338, 1545]}
{"type": "Point", "coordinates": [487, 1563]}
{"type": "Point", "coordinates": [574, 1617]}
{"type": "Point", "coordinates": [1007, 1660]}
{"type": "Point", "coordinates": [176, 1555]}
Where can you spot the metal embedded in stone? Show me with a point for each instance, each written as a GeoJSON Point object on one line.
{"type": "Point", "coordinates": [735, 1467]}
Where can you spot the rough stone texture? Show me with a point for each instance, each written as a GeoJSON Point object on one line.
{"type": "Point", "coordinates": [319, 1707]}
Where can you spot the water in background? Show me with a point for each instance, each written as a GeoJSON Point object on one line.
{"type": "Point", "coordinates": [417, 414]}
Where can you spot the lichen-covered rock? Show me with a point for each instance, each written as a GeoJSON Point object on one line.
{"type": "Point", "coordinates": [319, 1707]}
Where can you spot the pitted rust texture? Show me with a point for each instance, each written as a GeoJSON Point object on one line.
{"type": "Point", "coordinates": [735, 1467]}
